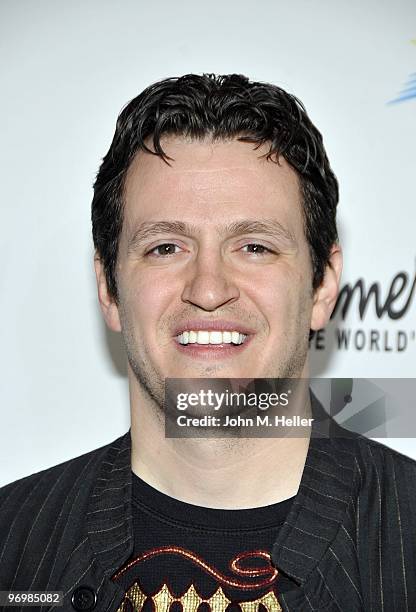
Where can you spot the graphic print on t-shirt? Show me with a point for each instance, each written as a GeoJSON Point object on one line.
{"type": "Point", "coordinates": [188, 558]}
{"type": "Point", "coordinates": [248, 585]}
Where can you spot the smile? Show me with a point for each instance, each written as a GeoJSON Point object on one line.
{"type": "Point", "coordinates": [216, 337]}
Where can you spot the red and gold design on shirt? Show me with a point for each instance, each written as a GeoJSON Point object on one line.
{"type": "Point", "coordinates": [250, 572]}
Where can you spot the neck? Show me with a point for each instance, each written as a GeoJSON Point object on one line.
{"type": "Point", "coordinates": [207, 472]}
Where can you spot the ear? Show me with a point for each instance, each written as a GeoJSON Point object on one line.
{"type": "Point", "coordinates": [326, 294]}
{"type": "Point", "coordinates": [107, 303]}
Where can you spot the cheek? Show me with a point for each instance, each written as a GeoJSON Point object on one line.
{"type": "Point", "coordinates": [148, 299]}
{"type": "Point", "coordinates": [283, 299]}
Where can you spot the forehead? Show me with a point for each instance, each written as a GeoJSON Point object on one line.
{"type": "Point", "coordinates": [210, 180]}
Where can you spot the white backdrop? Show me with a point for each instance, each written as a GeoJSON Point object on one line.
{"type": "Point", "coordinates": [67, 68]}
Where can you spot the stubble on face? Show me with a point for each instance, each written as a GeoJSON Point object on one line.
{"type": "Point", "coordinates": [153, 385]}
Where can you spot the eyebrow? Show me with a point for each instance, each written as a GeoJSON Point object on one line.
{"type": "Point", "coordinates": [269, 227]}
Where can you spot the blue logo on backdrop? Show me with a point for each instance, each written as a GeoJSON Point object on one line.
{"type": "Point", "coordinates": [409, 89]}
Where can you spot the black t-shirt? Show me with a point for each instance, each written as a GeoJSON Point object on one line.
{"type": "Point", "coordinates": [186, 555]}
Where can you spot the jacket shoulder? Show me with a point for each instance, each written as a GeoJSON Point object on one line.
{"type": "Point", "coordinates": [381, 468]}
{"type": "Point", "coordinates": [381, 455]}
{"type": "Point", "coordinates": [43, 512]}
{"type": "Point", "coordinates": [67, 470]}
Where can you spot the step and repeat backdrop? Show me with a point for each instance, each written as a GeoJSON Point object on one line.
{"type": "Point", "coordinates": [67, 70]}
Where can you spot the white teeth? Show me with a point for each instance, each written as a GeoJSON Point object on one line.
{"type": "Point", "coordinates": [203, 337]}
{"type": "Point", "coordinates": [211, 337]}
{"type": "Point", "coordinates": [215, 337]}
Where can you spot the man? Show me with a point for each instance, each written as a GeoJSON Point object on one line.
{"type": "Point", "coordinates": [216, 256]}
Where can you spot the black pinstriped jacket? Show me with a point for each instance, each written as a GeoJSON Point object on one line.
{"type": "Point", "coordinates": [349, 538]}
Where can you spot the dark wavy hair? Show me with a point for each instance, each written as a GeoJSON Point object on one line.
{"type": "Point", "coordinates": [220, 107]}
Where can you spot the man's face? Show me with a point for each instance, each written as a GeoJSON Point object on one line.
{"type": "Point", "coordinates": [212, 249]}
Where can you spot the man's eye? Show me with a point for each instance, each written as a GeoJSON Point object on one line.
{"type": "Point", "coordinates": [162, 250]}
{"type": "Point", "coordinates": [256, 249]}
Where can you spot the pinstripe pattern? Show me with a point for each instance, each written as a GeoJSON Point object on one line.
{"type": "Point", "coordinates": [399, 521]}
{"type": "Point", "coordinates": [348, 540]}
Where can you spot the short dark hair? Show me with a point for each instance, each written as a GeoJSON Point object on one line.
{"type": "Point", "coordinates": [220, 107]}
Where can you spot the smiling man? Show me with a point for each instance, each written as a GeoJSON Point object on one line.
{"type": "Point", "coordinates": [216, 256]}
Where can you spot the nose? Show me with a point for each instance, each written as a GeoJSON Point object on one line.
{"type": "Point", "coordinates": [210, 284]}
